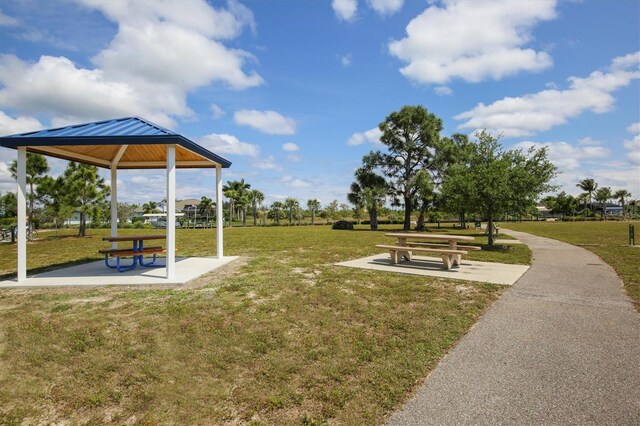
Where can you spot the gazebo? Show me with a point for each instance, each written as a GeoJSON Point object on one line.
{"type": "Point", "coordinates": [123, 143]}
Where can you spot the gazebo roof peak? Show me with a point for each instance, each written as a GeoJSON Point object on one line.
{"type": "Point", "coordinates": [132, 142]}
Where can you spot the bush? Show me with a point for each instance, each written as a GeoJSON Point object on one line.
{"type": "Point", "coordinates": [342, 224]}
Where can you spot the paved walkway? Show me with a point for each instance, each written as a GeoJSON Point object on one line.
{"type": "Point", "coordinates": [562, 346]}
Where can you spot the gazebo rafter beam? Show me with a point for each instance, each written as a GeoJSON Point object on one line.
{"type": "Point", "coordinates": [118, 156]}
{"type": "Point", "coordinates": [69, 154]}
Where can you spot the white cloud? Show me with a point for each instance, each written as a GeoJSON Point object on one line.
{"type": "Point", "coordinates": [217, 112]}
{"type": "Point", "coordinates": [161, 51]}
{"type": "Point", "coordinates": [482, 40]}
{"type": "Point", "coordinates": [371, 135]}
{"type": "Point", "coordinates": [294, 157]}
{"type": "Point", "coordinates": [11, 126]}
{"type": "Point", "coordinates": [385, 7]}
{"type": "Point", "coordinates": [270, 122]}
{"type": "Point", "coordinates": [345, 9]}
{"type": "Point", "coordinates": [525, 115]}
{"type": "Point", "coordinates": [633, 145]}
{"type": "Point", "coordinates": [268, 163]}
{"type": "Point", "coordinates": [296, 183]}
{"type": "Point", "coordinates": [589, 141]}
{"type": "Point", "coordinates": [634, 128]}
{"type": "Point", "coordinates": [567, 156]}
{"type": "Point", "coordinates": [442, 90]}
{"type": "Point", "coordinates": [228, 144]}
{"type": "Point", "coordinates": [8, 21]}
{"type": "Point", "coordinates": [346, 60]}
{"type": "Point", "coordinates": [290, 147]}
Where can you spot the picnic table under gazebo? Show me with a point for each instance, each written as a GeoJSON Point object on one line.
{"type": "Point", "coordinates": [118, 144]}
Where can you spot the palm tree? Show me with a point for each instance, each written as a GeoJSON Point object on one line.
{"type": "Point", "coordinates": [603, 195]}
{"type": "Point", "coordinates": [313, 206]}
{"type": "Point", "coordinates": [242, 202]}
{"type": "Point", "coordinates": [276, 208]}
{"type": "Point", "coordinates": [234, 190]}
{"type": "Point", "coordinates": [584, 199]}
{"type": "Point", "coordinates": [590, 186]}
{"type": "Point", "coordinates": [291, 204]}
{"type": "Point", "coordinates": [205, 206]}
{"type": "Point", "coordinates": [256, 197]}
{"type": "Point", "coordinates": [368, 191]}
{"type": "Point", "coordinates": [37, 168]}
{"type": "Point", "coordinates": [620, 195]}
{"type": "Point", "coordinates": [150, 207]}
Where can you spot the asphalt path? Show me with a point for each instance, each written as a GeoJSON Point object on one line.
{"type": "Point", "coordinates": [562, 346]}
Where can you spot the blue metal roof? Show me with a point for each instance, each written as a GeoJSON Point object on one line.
{"type": "Point", "coordinates": [120, 131]}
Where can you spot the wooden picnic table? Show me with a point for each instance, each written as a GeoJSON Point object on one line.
{"type": "Point", "coordinates": [450, 252]}
{"type": "Point", "coordinates": [137, 251]}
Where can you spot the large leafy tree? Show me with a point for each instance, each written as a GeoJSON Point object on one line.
{"type": "Point", "coordinates": [37, 168]}
{"type": "Point", "coordinates": [494, 182]}
{"type": "Point", "coordinates": [84, 190]}
{"type": "Point", "coordinates": [256, 197]}
{"type": "Point", "coordinates": [8, 205]}
{"type": "Point", "coordinates": [52, 193]}
{"type": "Point", "coordinates": [313, 206]}
{"type": "Point", "coordinates": [412, 137]}
{"type": "Point", "coordinates": [369, 191]}
{"type": "Point", "coordinates": [125, 211]}
{"type": "Point", "coordinates": [589, 186]}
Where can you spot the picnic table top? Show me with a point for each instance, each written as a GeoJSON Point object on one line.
{"type": "Point", "coordinates": [135, 238]}
{"type": "Point", "coordinates": [429, 236]}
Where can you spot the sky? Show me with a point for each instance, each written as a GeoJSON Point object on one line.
{"type": "Point", "coordinates": [292, 91]}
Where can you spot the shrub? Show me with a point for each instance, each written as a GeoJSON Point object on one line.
{"type": "Point", "coordinates": [342, 224]}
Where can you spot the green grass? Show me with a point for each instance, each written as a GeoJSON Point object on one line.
{"type": "Point", "coordinates": [609, 240]}
{"type": "Point", "coordinates": [288, 338]}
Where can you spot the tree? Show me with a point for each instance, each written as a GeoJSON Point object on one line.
{"type": "Point", "coordinates": [234, 190]}
{"type": "Point", "coordinates": [313, 206]}
{"type": "Point", "coordinates": [9, 205]}
{"type": "Point", "coordinates": [369, 191]}
{"type": "Point", "coordinates": [621, 195]}
{"type": "Point", "coordinates": [495, 182]}
{"type": "Point", "coordinates": [37, 168]}
{"type": "Point", "coordinates": [256, 197]}
{"type": "Point", "coordinates": [589, 186]}
{"type": "Point", "coordinates": [412, 136]}
{"type": "Point", "coordinates": [53, 194]}
{"type": "Point", "coordinates": [291, 204]}
{"type": "Point", "coordinates": [562, 203]}
{"type": "Point", "coordinates": [276, 209]}
{"type": "Point", "coordinates": [603, 195]}
{"type": "Point", "coordinates": [125, 211]}
{"type": "Point", "coordinates": [150, 207]}
{"type": "Point", "coordinates": [205, 207]}
{"type": "Point", "coordinates": [84, 189]}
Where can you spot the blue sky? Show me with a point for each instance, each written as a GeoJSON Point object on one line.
{"type": "Point", "coordinates": [292, 91]}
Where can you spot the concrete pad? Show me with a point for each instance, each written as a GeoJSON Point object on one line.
{"type": "Point", "coordinates": [470, 270]}
{"type": "Point", "coordinates": [97, 274]}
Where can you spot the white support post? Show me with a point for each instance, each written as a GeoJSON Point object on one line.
{"type": "Point", "coordinates": [114, 204]}
{"type": "Point", "coordinates": [219, 217]}
{"type": "Point", "coordinates": [22, 213]}
{"type": "Point", "coordinates": [171, 211]}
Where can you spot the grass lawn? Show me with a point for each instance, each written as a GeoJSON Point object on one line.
{"type": "Point", "coordinates": [609, 240]}
{"type": "Point", "coordinates": [286, 338]}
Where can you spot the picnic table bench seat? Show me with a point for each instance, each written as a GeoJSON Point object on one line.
{"type": "Point", "coordinates": [130, 252]}
{"type": "Point", "coordinates": [448, 256]}
{"type": "Point", "coordinates": [436, 245]}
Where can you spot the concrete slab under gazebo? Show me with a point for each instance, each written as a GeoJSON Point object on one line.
{"type": "Point", "coordinates": [124, 143]}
